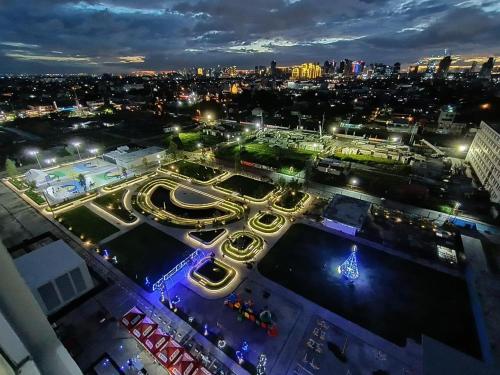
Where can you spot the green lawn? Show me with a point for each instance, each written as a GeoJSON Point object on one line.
{"type": "Point", "coordinates": [196, 171]}
{"type": "Point", "coordinates": [290, 199]}
{"type": "Point", "coordinates": [247, 186]}
{"type": "Point", "coordinates": [113, 203]}
{"type": "Point", "coordinates": [34, 196]}
{"type": "Point", "coordinates": [190, 140]}
{"type": "Point", "coordinates": [264, 154]}
{"type": "Point", "coordinates": [19, 183]}
{"type": "Point", "coordinates": [84, 222]}
{"type": "Point", "coordinates": [146, 252]}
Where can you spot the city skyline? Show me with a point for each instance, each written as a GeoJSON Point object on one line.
{"type": "Point", "coordinates": [126, 35]}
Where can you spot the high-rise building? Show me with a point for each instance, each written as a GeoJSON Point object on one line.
{"type": "Point", "coordinates": [486, 69]}
{"type": "Point", "coordinates": [341, 67]}
{"type": "Point", "coordinates": [307, 71]}
{"type": "Point", "coordinates": [357, 67]}
{"type": "Point", "coordinates": [397, 68]}
{"type": "Point", "coordinates": [28, 344]}
{"type": "Point", "coordinates": [199, 71]}
{"type": "Point", "coordinates": [273, 68]}
{"type": "Point", "coordinates": [484, 158]}
{"type": "Point", "coordinates": [443, 67]}
{"type": "Point", "coordinates": [347, 67]}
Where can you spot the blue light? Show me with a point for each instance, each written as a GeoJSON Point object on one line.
{"type": "Point", "coordinates": [349, 269]}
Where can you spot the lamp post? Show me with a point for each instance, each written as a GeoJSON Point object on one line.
{"type": "Point", "coordinates": [77, 146]}
{"type": "Point", "coordinates": [35, 154]}
{"type": "Point", "coordinates": [94, 151]}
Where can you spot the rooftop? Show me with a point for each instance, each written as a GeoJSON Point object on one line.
{"type": "Point", "coordinates": [126, 156]}
{"type": "Point", "coordinates": [47, 263]}
{"type": "Point", "coordinates": [347, 210]}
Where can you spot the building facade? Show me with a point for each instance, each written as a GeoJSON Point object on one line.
{"type": "Point", "coordinates": [484, 158]}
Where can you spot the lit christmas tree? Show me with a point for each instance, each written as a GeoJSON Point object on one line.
{"type": "Point", "coordinates": [261, 366]}
{"type": "Point", "coordinates": [349, 269]}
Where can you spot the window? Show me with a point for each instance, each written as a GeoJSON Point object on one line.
{"type": "Point", "coordinates": [65, 287]}
{"type": "Point", "coordinates": [49, 296]}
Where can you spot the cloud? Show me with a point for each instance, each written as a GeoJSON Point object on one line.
{"type": "Point", "coordinates": [19, 45]}
{"type": "Point", "coordinates": [108, 35]}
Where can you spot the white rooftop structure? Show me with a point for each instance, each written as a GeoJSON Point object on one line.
{"type": "Point", "coordinates": [125, 158]}
{"type": "Point", "coordinates": [346, 214]}
{"type": "Point", "coordinates": [55, 275]}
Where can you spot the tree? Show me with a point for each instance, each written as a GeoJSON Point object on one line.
{"type": "Point", "coordinates": [81, 179]}
{"type": "Point", "coordinates": [10, 167]}
{"type": "Point", "coordinates": [237, 162]}
{"type": "Point", "coordinates": [172, 148]}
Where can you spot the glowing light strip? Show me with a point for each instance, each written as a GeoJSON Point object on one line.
{"type": "Point", "coordinates": [206, 283]}
{"type": "Point", "coordinates": [246, 254]}
{"type": "Point", "coordinates": [298, 206]}
{"type": "Point", "coordinates": [275, 226]}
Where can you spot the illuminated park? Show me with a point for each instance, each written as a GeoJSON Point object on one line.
{"type": "Point", "coordinates": [201, 239]}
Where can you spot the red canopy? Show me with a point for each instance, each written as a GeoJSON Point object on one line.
{"type": "Point", "coordinates": [200, 370]}
{"type": "Point", "coordinates": [132, 317]}
{"type": "Point", "coordinates": [156, 341]}
{"type": "Point", "coordinates": [169, 353]}
{"type": "Point", "coordinates": [144, 328]}
{"type": "Point", "coordinates": [184, 365]}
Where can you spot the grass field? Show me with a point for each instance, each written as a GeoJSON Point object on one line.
{"type": "Point", "coordinates": [113, 203]}
{"type": "Point", "coordinates": [290, 199]}
{"type": "Point", "coordinates": [84, 222]}
{"type": "Point", "coordinates": [276, 157]}
{"type": "Point", "coordinates": [196, 171]}
{"type": "Point", "coordinates": [190, 140]}
{"type": "Point", "coordinates": [395, 298]}
{"type": "Point", "coordinates": [146, 252]}
{"type": "Point", "coordinates": [247, 186]}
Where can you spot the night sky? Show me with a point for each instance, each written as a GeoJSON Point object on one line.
{"type": "Point", "coordinates": [59, 36]}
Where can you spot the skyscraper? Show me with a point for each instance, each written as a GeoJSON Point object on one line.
{"type": "Point", "coordinates": [273, 68]}
{"type": "Point", "coordinates": [443, 67]}
{"type": "Point", "coordinates": [485, 72]}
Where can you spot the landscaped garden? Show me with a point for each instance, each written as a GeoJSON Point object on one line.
{"type": "Point", "coordinates": [113, 204]}
{"type": "Point", "coordinates": [160, 197]}
{"type": "Point", "coordinates": [248, 187]}
{"type": "Point", "coordinates": [290, 200]}
{"type": "Point", "coordinates": [213, 274]}
{"type": "Point", "coordinates": [267, 222]}
{"type": "Point", "coordinates": [207, 237]}
{"type": "Point", "coordinates": [85, 224]}
{"type": "Point", "coordinates": [156, 198]}
{"type": "Point", "coordinates": [146, 252]}
{"type": "Point", "coordinates": [242, 246]}
{"type": "Point", "coordinates": [35, 196]}
{"type": "Point", "coordinates": [192, 141]}
{"type": "Point", "coordinates": [198, 172]}
{"type": "Point", "coordinates": [393, 297]}
{"type": "Point", "coordinates": [261, 153]}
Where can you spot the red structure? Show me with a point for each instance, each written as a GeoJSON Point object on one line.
{"type": "Point", "coordinates": [156, 341]}
{"type": "Point", "coordinates": [132, 317]}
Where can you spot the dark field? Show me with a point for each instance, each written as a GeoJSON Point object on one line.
{"type": "Point", "coordinates": [394, 298]}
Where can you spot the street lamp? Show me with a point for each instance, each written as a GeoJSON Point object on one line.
{"type": "Point", "coordinates": [94, 151]}
{"type": "Point", "coordinates": [353, 182]}
{"type": "Point", "coordinates": [209, 116]}
{"type": "Point", "coordinates": [77, 146]}
{"type": "Point", "coordinates": [462, 148]}
{"type": "Point", "coordinates": [198, 145]}
{"type": "Point", "coordinates": [50, 161]}
{"type": "Point", "coordinates": [35, 154]}
{"type": "Point", "coordinates": [176, 128]}
{"type": "Point", "coordinates": [334, 129]}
